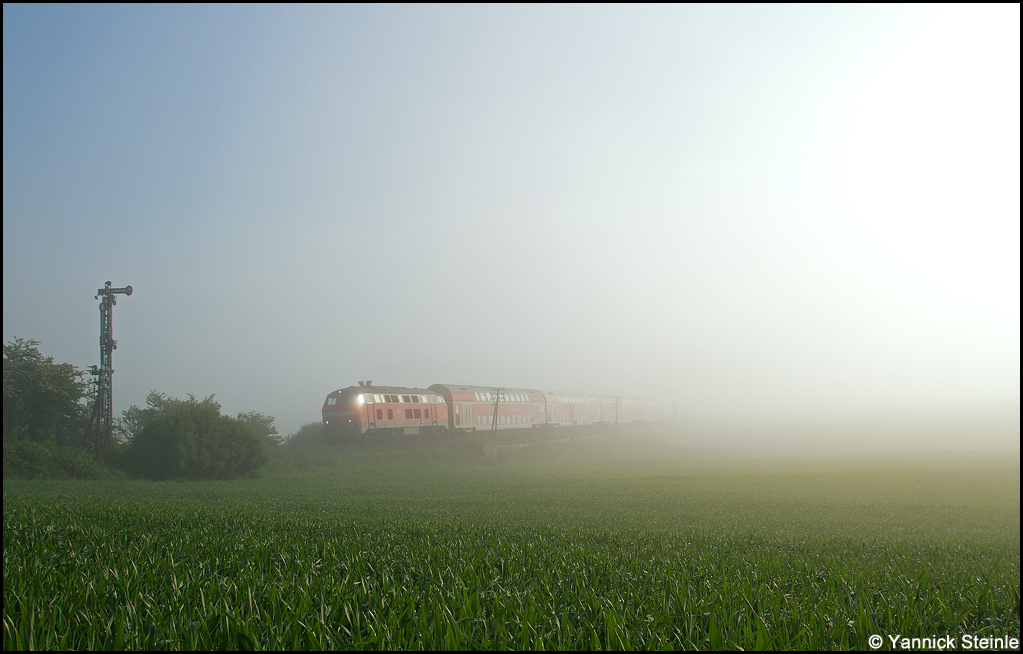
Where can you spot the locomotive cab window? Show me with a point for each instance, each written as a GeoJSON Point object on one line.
{"type": "Point", "coordinates": [331, 400]}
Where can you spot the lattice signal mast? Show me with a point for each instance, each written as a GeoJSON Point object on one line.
{"type": "Point", "coordinates": [105, 371]}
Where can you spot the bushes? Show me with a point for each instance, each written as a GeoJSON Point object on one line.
{"type": "Point", "coordinates": [42, 399]}
{"type": "Point", "coordinates": [46, 460]}
{"type": "Point", "coordinates": [45, 417]}
{"type": "Point", "coordinates": [45, 422]}
{"type": "Point", "coordinates": [308, 435]}
{"type": "Point", "coordinates": [191, 440]}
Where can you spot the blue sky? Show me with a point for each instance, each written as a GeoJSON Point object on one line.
{"type": "Point", "coordinates": [743, 209]}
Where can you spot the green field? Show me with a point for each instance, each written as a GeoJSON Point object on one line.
{"type": "Point", "coordinates": [570, 545]}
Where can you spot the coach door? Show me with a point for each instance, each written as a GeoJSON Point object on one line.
{"type": "Point", "coordinates": [371, 409]}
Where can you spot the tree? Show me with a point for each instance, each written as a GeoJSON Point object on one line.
{"type": "Point", "coordinates": [42, 399]}
{"type": "Point", "coordinates": [134, 419]}
{"type": "Point", "coordinates": [191, 440]}
{"type": "Point", "coordinates": [264, 426]}
{"type": "Point", "coordinates": [308, 435]}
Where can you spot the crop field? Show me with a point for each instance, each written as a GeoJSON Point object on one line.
{"type": "Point", "coordinates": [573, 545]}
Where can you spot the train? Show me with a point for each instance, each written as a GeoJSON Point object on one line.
{"type": "Point", "coordinates": [372, 411]}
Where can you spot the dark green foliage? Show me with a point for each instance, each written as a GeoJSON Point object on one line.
{"type": "Point", "coordinates": [44, 417]}
{"type": "Point", "coordinates": [134, 419]}
{"type": "Point", "coordinates": [264, 426]}
{"type": "Point", "coordinates": [45, 460]}
{"type": "Point", "coordinates": [191, 440]}
{"type": "Point", "coordinates": [42, 399]}
{"type": "Point", "coordinates": [308, 435]}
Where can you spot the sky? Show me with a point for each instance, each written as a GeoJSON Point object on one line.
{"type": "Point", "coordinates": [747, 210]}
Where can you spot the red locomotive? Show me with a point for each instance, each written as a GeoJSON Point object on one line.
{"type": "Point", "coordinates": [395, 410]}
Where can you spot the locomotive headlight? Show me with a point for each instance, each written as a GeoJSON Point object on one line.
{"type": "Point", "coordinates": [362, 399]}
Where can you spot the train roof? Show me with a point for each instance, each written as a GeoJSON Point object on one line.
{"type": "Point", "coordinates": [398, 390]}
{"type": "Point", "coordinates": [486, 389]}
{"type": "Point", "coordinates": [440, 389]}
{"type": "Point", "coordinates": [509, 389]}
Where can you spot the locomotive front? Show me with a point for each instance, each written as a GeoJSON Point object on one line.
{"type": "Point", "coordinates": [382, 410]}
{"type": "Point", "coordinates": [344, 412]}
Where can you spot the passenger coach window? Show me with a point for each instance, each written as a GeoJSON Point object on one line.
{"type": "Point", "coordinates": [406, 399]}
{"type": "Point", "coordinates": [380, 414]}
{"type": "Point", "coordinates": [418, 414]}
{"type": "Point", "coordinates": [408, 414]}
{"type": "Point", "coordinates": [390, 414]}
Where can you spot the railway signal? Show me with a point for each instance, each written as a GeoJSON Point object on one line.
{"type": "Point", "coordinates": [105, 371]}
